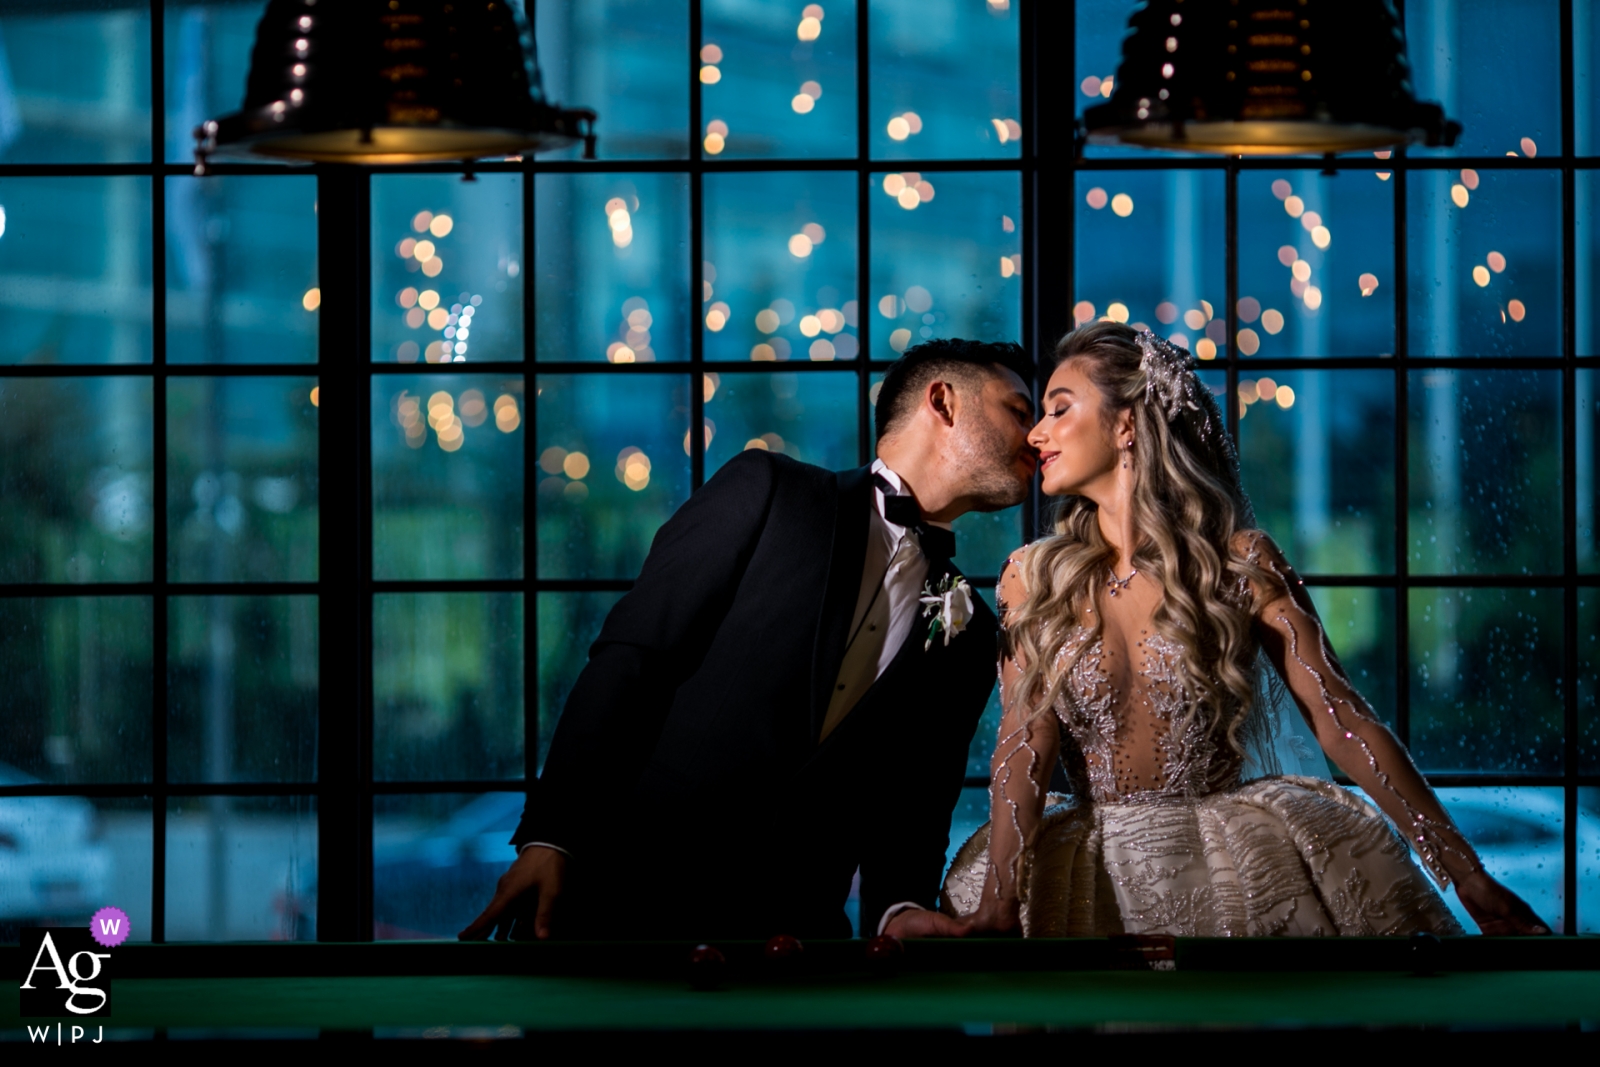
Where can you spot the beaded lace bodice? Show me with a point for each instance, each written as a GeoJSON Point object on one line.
{"type": "Point", "coordinates": [1124, 732]}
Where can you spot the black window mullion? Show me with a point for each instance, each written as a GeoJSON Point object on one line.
{"type": "Point", "coordinates": [158, 478]}
{"type": "Point", "coordinates": [697, 257]}
{"type": "Point", "coordinates": [344, 563]}
{"type": "Point", "coordinates": [1569, 476]}
{"type": "Point", "coordinates": [1402, 458]}
{"type": "Point", "coordinates": [530, 459]}
{"type": "Point", "coordinates": [865, 442]}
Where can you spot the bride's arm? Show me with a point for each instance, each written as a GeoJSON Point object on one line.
{"type": "Point", "coordinates": [1293, 637]}
{"type": "Point", "coordinates": [1019, 775]}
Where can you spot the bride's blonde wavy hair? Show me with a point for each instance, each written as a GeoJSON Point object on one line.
{"type": "Point", "coordinates": [1188, 510]}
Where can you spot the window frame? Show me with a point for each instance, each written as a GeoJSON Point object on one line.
{"type": "Point", "coordinates": [345, 789]}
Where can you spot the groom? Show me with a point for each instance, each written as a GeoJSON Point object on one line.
{"type": "Point", "coordinates": [763, 713]}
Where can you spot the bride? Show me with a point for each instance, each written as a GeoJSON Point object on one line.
{"type": "Point", "coordinates": [1145, 642]}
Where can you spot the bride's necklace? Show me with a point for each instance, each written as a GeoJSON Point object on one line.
{"type": "Point", "coordinates": [1117, 585]}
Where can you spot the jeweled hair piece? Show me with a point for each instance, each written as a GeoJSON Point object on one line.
{"type": "Point", "coordinates": [1171, 385]}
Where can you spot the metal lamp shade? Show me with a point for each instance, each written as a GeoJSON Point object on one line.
{"type": "Point", "coordinates": [1266, 77]}
{"type": "Point", "coordinates": [392, 81]}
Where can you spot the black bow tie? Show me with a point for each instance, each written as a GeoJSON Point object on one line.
{"type": "Point", "coordinates": [902, 510]}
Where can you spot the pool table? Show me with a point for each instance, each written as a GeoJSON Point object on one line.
{"type": "Point", "coordinates": [933, 992]}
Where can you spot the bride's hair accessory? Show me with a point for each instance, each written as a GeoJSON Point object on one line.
{"type": "Point", "coordinates": [1170, 382]}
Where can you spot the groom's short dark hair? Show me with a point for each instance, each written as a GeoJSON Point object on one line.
{"type": "Point", "coordinates": [965, 363]}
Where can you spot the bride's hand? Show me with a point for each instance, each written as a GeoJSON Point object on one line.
{"type": "Point", "coordinates": [1497, 910]}
{"type": "Point", "coordinates": [996, 919]}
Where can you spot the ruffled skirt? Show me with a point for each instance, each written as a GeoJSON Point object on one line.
{"type": "Point", "coordinates": [1279, 855]}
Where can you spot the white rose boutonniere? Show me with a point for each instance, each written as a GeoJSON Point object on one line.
{"type": "Point", "coordinates": [949, 604]}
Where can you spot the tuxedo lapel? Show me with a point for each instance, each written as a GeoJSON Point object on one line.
{"type": "Point", "coordinates": [846, 558]}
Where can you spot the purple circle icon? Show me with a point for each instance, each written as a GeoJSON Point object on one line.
{"type": "Point", "coordinates": [109, 927]}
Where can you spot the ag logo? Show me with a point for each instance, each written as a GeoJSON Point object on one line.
{"type": "Point", "coordinates": [64, 974]}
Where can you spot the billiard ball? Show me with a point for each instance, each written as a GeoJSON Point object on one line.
{"type": "Point", "coordinates": [884, 951]}
{"type": "Point", "coordinates": [782, 948]}
{"type": "Point", "coordinates": [706, 965]}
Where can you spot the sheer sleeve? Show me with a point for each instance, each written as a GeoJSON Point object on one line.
{"type": "Point", "coordinates": [1352, 736]}
{"type": "Point", "coordinates": [1020, 770]}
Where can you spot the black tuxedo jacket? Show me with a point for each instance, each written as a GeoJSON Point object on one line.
{"type": "Point", "coordinates": [685, 776]}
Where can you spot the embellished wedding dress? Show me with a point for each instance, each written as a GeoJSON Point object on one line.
{"type": "Point", "coordinates": [1163, 834]}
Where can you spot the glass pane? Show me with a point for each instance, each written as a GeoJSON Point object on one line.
{"type": "Point", "coordinates": [84, 854]}
{"type": "Point", "coordinates": [946, 258]}
{"type": "Point", "coordinates": [242, 270]}
{"type": "Point", "coordinates": [76, 704]}
{"type": "Point", "coordinates": [447, 476]}
{"type": "Point", "coordinates": [241, 479]}
{"type": "Point", "coordinates": [242, 689]}
{"type": "Point", "coordinates": [75, 84]}
{"type": "Point", "coordinates": [946, 80]}
{"type": "Point", "coordinates": [1588, 680]}
{"type": "Point", "coordinates": [1484, 262]}
{"type": "Point", "coordinates": [613, 466]}
{"type": "Point", "coordinates": [242, 869]}
{"type": "Point", "coordinates": [627, 59]}
{"type": "Point", "coordinates": [1587, 408]}
{"type": "Point", "coordinates": [985, 539]}
{"type": "Point", "coordinates": [1486, 680]}
{"type": "Point", "coordinates": [1151, 251]}
{"type": "Point", "coordinates": [1589, 861]}
{"type": "Point", "coordinates": [446, 266]}
{"type": "Point", "coordinates": [1586, 194]}
{"type": "Point", "coordinates": [568, 625]}
{"type": "Point", "coordinates": [1360, 626]}
{"type": "Point", "coordinates": [1516, 831]}
{"type": "Point", "coordinates": [777, 80]}
{"type": "Point", "coordinates": [1586, 57]}
{"type": "Point", "coordinates": [207, 45]}
{"type": "Point", "coordinates": [435, 859]}
{"type": "Point", "coordinates": [1316, 263]}
{"type": "Point", "coordinates": [1495, 66]}
{"type": "Point", "coordinates": [809, 417]}
{"type": "Point", "coordinates": [75, 476]}
{"type": "Point", "coordinates": [1318, 462]}
{"type": "Point", "coordinates": [613, 263]}
{"type": "Point", "coordinates": [75, 269]}
{"type": "Point", "coordinates": [972, 811]}
{"type": "Point", "coordinates": [780, 266]}
{"type": "Point", "coordinates": [447, 685]}
{"type": "Point", "coordinates": [1485, 469]}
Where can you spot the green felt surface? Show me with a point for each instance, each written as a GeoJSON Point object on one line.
{"type": "Point", "coordinates": [915, 1001]}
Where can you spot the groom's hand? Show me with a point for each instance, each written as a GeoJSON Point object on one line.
{"type": "Point", "coordinates": [919, 922]}
{"type": "Point", "coordinates": [537, 870]}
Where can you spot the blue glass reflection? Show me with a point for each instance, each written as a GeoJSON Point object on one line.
{"type": "Point", "coordinates": [1486, 680]}
{"type": "Point", "coordinates": [777, 80]}
{"type": "Point", "coordinates": [242, 868]}
{"type": "Point", "coordinates": [809, 417]}
{"type": "Point", "coordinates": [612, 255]}
{"type": "Point", "coordinates": [207, 46]}
{"type": "Point", "coordinates": [946, 79]}
{"type": "Point", "coordinates": [75, 476]}
{"type": "Point", "coordinates": [1316, 263]}
{"type": "Point", "coordinates": [1484, 262]}
{"type": "Point", "coordinates": [242, 270]}
{"type": "Point", "coordinates": [1317, 452]}
{"type": "Point", "coordinates": [433, 858]}
{"type": "Point", "coordinates": [75, 269]}
{"type": "Point", "coordinates": [447, 476]}
{"type": "Point", "coordinates": [568, 625]}
{"type": "Point", "coordinates": [1150, 250]}
{"type": "Point", "coordinates": [1495, 66]}
{"type": "Point", "coordinates": [75, 84]}
{"type": "Point", "coordinates": [446, 268]}
{"type": "Point", "coordinates": [780, 272]}
{"type": "Point", "coordinates": [946, 258]}
{"type": "Point", "coordinates": [241, 479]}
{"type": "Point", "coordinates": [627, 59]}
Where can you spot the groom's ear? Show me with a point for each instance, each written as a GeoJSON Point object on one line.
{"type": "Point", "coordinates": [942, 401]}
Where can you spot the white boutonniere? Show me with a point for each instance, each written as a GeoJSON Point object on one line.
{"type": "Point", "coordinates": [949, 604]}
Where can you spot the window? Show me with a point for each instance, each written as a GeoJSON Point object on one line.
{"type": "Point", "coordinates": [319, 485]}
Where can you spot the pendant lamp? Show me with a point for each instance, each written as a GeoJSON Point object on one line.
{"type": "Point", "coordinates": [1266, 77]}
{"type": "Point", "coordinates": [392, 81]}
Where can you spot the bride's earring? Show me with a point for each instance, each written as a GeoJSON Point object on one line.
{"type": "Point", "coordinates": [1127, 452]}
